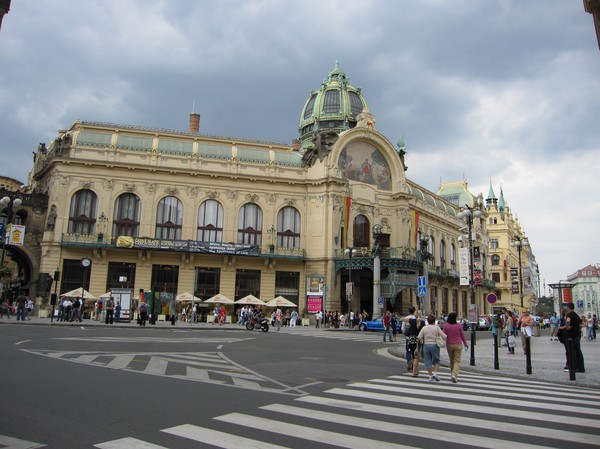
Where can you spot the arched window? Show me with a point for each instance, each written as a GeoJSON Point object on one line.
{"type": "Point", "coordinates": [495, 260]}
{"type": "Point", "coordinates": [453, 257]}
{"type": "Point", "coordinates": [169, 218]}
{"type": "Point", "coordinates": [362, 232]}
{"type": "Point", "coordinates": [250, 224]}
{"type": "Point", "coordinates": [443, 253]}
{"type": "Point", "coordinates": [210, 222]}
{"type": "Point", "coordinates": [288, 228]}
{"type": "Point", "coordinates": [82, 215]}
{"type": "Point", "coordinates": [126, 219]}
{"type": "Point", "coordinates": [331, 103]}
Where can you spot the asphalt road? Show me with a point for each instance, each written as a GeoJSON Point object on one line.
{"type": "Point", "coordinates": [72, 386]}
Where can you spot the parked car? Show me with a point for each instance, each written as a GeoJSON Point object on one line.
{"type": "Point", "coordinates": [375, 325]}
{"type": "Point", "coordinates": [483, 325]}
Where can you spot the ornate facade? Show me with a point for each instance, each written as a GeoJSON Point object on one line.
{"type": "Point", "coordinates": [175, 212]}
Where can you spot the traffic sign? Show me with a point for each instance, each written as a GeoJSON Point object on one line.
{"type": "Point", "coordinates": [492, 298]}
{"type": "Point", "coordinates": [422, 292]}
{"type": "Point", "coordinates": [422, 281]}
{"type": "Point", "coordinates": [380, 301]}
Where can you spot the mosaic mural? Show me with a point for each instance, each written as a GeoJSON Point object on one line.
{"type": "Point", "coordinates": [361, 161]}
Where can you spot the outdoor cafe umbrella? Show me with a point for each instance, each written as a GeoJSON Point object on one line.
{"type": "Point", "coordinates": [280, 301]}
{"type": "Point", "coordinates": [78, 293]}
{"type": "Point", "coordinates": [187, 297]}
{"type": "Point", "coordinates": [220, 299]}
{"type": "Point", "coordinates": [251, 299]}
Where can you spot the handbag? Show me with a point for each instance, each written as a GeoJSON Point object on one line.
{"type": "Point", "coordinates": [511, 341]}
{"type": "Point", "coordinates": [439, 339]}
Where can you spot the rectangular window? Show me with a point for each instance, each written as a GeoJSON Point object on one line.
{"type": "Point", "coordinates": [287, 284]}
{"type": "Point", "coordinates": [247, 282]}
{"type": "Point", "coordinates": [496, 277]}
{"type": "Point", "coordinates": [455, 301]}
{"type": "Point", "coordinates": [208, 282]}
{"type": "Point", "coordinates": [120, 275]}
{"type": "Point", "coordinates": [72, 276]}
{"type": "Point", "coordinates": [494, 243]}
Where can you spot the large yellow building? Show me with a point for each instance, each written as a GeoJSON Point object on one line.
{"type": "Point", "coordinates": [172, 212]}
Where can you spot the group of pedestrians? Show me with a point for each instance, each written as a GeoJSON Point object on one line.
{"type": "Point", "coordinates": [22, 308]}
{"type": "Point", "coordinates": [425, 341]}
{"type": "Point", "coordinates": [70, 310]}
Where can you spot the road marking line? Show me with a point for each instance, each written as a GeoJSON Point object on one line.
{"type": "Point", "coordinates": [128, 443]}
{"type": "Point", "coordinates": [306, 433]}
{"type": "Point", "coordinates": [435, 391]}
{"type": "Point", "coordinates": [488, 421]}
{"type": "Point", "coordinates": [400, 429]}
{"type": "Point", "coordinates": [490, 386]}
{"type": "Point", "coordinates": [465, 407]}
{"type": "Point", "coordinates": [16, 443]}
{"type": "Point", "coordinates": [218, 439]}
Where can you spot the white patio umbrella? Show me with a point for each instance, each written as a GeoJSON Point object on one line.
{"type": "Point", "coordinates": [78, 293]}
{"type": "Point", "coordinates": [105, 295]}
{"type": "Point", "coordinates": [220, 299]}
{"type": "Point", "coordinates": [187, 297]}
{"type": "Point", "coordinates": [280, 301]}
{"type": "Point", "coordinates": [251, 299]}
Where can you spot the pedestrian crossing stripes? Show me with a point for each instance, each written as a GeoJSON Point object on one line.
{"type": "Point", "coordinates": [406, 412]}
{"type": "Point", "coordinates": [372, 337]}
{"type": "Point", "coordinates": [207, 367]}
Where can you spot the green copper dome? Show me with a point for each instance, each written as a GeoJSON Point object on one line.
{"type": "Point", "coordinates": [332, 108]}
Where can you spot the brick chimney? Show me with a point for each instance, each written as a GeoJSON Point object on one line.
{"type": "Point", "coordinates": [194, 123]}
{"type": "Point", "coordinates": [295, 145]}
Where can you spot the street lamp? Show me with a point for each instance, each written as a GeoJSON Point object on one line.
{"type": "Point", "coordinates": [377, 232]}
{"type": "Point", "coordinates": [10, 203]}
{"type": "Point", "coordinates": [468, 214]}
{"type": "Point", "coordinates": [519, 243]}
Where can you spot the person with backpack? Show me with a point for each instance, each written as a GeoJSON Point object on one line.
{"type": "Point", "coordinates": [405, 329]}
{"type": "Point", "coordinates": [142, 312]}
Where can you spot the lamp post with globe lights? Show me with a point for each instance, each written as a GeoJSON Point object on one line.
{"type": "Point", "coordinates": [519, 243]}
{"type": "Point", "coordinates": [10, 203]}
{"type": "Point", "coordinates": [468, 213]}
{"type": "Point", "coordinates": [377, 232]}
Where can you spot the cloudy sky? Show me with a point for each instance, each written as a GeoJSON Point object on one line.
{"type": "Point", "coordinates": [500, 90]}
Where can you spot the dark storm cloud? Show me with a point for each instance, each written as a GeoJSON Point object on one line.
{"type": "Point", "coordinates": [500, 89]}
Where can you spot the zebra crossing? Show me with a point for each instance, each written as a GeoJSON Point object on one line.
{"type": "Point", "coordinates": [405, 412]}
{"type": "Point", "coordinates": [371, 337]}
{"type": "Point", "coordinates": [207, 367]}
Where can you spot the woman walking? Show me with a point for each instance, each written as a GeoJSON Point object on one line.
{"type": "Point", "coordinates": [509, 329]}
{"type": "Point", "coordinates": [455, 342]}
{"type": "Point", "coordinates": [431, 351]}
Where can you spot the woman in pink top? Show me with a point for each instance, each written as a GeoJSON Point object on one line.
{"type": "Point", "coordinates": [454, 343]}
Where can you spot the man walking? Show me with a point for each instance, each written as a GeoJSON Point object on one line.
{"type": "Point", "coordinates": [387, 329]}
{"type": "Point", "coordinates": [573, 333]}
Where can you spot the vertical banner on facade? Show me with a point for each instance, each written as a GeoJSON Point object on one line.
{"type": "Point", "coordinates": [346, 217]}
{"type": "Point", "coordinates": [463, 265]}
{"type": "Point", "coordinates": [415, 227]}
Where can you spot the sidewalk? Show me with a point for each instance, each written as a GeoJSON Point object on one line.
{"type": "Point", "coordinates": [547, 360]}
{"type": "Point", "coordinates": [547, 357]}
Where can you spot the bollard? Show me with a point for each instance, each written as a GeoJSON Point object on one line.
{"type": "Point", "coordinates": [496, 361]}
{"type": "Point", "coordinates": [473, 344]}
{"type": "Point", "coordinates": [528, 354]}
{"type": "Point", "coordinates": [572, 358]}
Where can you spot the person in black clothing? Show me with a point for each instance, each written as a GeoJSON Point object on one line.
{"type": "Point", "coordinates": [108, 307]}
{"type": "Point", "coordinates": [573, 340]}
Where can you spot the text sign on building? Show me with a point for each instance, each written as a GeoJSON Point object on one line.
{"type": "Point", "coordinates": [473, 314]}
{"type": "Point", "coordinates": [463, 265]}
